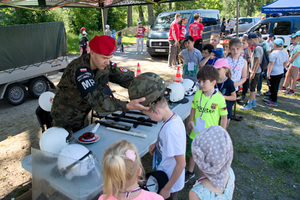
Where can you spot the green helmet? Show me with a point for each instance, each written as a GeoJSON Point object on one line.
{"type": "Point", "coordinates": [149, 85]}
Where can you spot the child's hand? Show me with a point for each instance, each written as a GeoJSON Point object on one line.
{"type": "Point", "coordinates": [191, 125]}
{"type": "Point", "coordinates": [165, 193]}
{"type": "Point", "coordinates": [152, 148]}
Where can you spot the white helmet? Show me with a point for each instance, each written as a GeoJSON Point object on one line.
{"type": "Point", "coordinates": [54, 139]}
{"type": "Point", "coordinates": [106, 26]}
{"type": "Point", "coordinates": [75, 160]}
{"type": "Point", "coordinates": [45, 100]}
{"type": "Point", "coordinates": [176, 92]}
{"type": "Point", "coordinates": [189, 86]}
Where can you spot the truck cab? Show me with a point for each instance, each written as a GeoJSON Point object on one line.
{"type": "Point", "coordinates": [158, 44]}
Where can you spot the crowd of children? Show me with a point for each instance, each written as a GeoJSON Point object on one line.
{"type": "Point", "coordinates": [220, 72]}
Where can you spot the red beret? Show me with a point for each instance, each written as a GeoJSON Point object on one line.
{"type": "Point", "coordinates": [82, 28]}
{"type": "Point", "coordinates": [104, 45]}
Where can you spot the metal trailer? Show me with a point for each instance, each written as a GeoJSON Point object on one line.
{"type": "Point", "coordinates": [29, 53]}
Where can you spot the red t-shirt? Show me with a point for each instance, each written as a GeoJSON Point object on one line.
{"type": "Point", "coordinates": [182, 32]}
{"type": "Point", "coordinates": [140, 31]}
{"type": "Point", "coordinates": [195, 29]}
{"type": "Point", "coordinates": [174, 26]}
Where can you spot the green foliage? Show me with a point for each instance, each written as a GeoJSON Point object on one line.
{"type": "Point", "coordinates": [84, 17]}
{"type": "Point", "coordinates": [117, 18]}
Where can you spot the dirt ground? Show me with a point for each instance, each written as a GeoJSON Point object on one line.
{"type": "Point", "coordinates": [19, 131]}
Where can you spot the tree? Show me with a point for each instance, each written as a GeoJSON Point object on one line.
{"type": "Point", "coordinates": [150, 14]}
{"type": "Point", "coordinates": [129, 16]}
{"type": "Point", "coordinates": [141, 14]}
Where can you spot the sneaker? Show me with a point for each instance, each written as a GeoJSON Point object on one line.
{"type": "Point", "coordinates": [258, 94]}
{"type": "Point", "coordinates": [282, 88]}
{"type": "Point", "coordinates": [142, 53]}
{"type": "Point", "coordinates": [267, 99]}
{"type": "Point", "coordinates": [189, 176]}
{"type": "Point", "coordinates": [172, 67]}
{"type": "Point", "coordinates": [271, 103]}
{"type": "Point", "coordinates": [267, 93]}
{"type": "Point", "coordinates": [123, 52]}
{"type": "Point", "coordinates": [291, 92]}
{"type": "Point", "coordinates": [247, 107]}
{"type": "Point", "coordinates": [137, 53]}
{"type": "Point", "coordinates": [254, 104]}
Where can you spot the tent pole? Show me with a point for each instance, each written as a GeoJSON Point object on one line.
{"type": "Point", "coordinates": [102, 16]}
{"type": "Point", "coordinates": [237, 18]}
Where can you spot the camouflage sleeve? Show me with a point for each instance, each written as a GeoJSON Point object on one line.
{"type": "Point", "coordinates": [120, 75]}
{"type": "Point", "coordinates": [94, 94]}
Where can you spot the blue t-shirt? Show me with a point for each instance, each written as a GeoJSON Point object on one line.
{"type": "Point", "coordinates": [210, 61]}
{"type": "Point", "coordinates": [226, 89]}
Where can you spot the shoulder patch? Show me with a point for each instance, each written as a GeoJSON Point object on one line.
{"type": "Point", "coordinates": [122, 69]}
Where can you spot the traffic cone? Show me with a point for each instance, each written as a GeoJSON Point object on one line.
{"type": "Point", "coordinates": [138, 70]}
{"type": "Point", "coordinates": [178, 76]}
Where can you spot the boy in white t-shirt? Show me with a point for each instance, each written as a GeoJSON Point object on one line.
{"type": "Point", "coordinates": [169, 149]}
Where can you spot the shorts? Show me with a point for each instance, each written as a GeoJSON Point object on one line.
{"type": "Point", "coordinates": [253, 82]}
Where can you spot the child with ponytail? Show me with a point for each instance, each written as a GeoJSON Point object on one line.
{"type": "Point", "coordinates": [122, 170]}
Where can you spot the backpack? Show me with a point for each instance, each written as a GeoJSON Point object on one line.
{"type": "Point", "coordinates": [265, 59]}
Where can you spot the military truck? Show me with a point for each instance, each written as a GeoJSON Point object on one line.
{"type": "Point", "coordinates": [29, 53]}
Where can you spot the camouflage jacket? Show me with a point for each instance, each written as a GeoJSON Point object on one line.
{"type": "Point", "coordinates": [82, 89]}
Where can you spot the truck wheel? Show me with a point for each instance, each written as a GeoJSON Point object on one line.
{"type": "Point", "coordinates": [37, 86]}
{"type": "Point", "coordinates": [15, 94]}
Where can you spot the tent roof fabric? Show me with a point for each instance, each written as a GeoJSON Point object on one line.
{"type": "Point", "coordinates": [43, 5]}
{"type": "Point", "coordinates": [282, 6]}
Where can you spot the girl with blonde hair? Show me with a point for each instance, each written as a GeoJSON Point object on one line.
{"type": "Point", "coordinates": [122, 170]}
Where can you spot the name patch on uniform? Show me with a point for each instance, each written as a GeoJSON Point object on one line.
{"type": "Point", "coordinates": [122, 69]}
{"type": "Point", "coordinates": [85, 82]}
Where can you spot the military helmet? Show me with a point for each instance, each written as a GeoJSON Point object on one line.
{"type": "Point", "coordinates": [149, 85]}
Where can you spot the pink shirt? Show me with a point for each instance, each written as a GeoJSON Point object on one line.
{"type": "Point", "coordinates": [144, 195]}
{"type": "Point", "coordinates": [174, 26]}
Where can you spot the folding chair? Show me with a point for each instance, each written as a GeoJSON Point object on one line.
{"type": "Point", "coordinates": [44, 118]}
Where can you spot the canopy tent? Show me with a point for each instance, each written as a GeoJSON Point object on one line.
{"type": "Point", "coordinates": [282, 6]}
{"type": "Point", "coordinates": [44, 5]}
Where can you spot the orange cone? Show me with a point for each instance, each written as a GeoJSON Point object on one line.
{"type": "Point", "coordinates": [178, 76]}
{"type": "Point", "coordinates": [138, 70]}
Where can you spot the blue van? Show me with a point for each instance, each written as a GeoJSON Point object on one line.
{"type": "Point", "coordinates": [157, 43]}
{"type": "Point", "coordinates": [280, 26]}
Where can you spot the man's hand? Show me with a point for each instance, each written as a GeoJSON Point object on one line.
{"type": "Point", "coordinates": [252, 76]}
{"type": "Point", "coordinates": [176, 43]}
{"type": "Point", "coordinates": [165, 193]}
{"type": "Point", "coordinates": [152, 148]}
{"type": "Point", "coordinates": [135, 104]}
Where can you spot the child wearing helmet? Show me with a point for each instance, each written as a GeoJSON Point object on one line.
{"type": "Point", "coordinates": [219, 179]}
{"type": "Point", "coordinates": [207, 108]}
{"type": "Point", "coordinates": [122, 169]}
{"type": "Point", "coordinates": [169, 149]}
{"type": "Point", "coordinates": [225, 85]}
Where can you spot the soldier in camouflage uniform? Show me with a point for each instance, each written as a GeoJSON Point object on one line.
{"type": "Point", "coordinates": [82, 85]}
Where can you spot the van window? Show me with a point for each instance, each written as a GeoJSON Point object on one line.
{"type": "Point", "coordinates": [297, 26]}
{"type": "Point", "coordinates": [164, 21]}
{"type": "Point", "coordinates": [245, 21]}
{"type": "Point", "coordinates": [263, 28]}
{"type": "Point", "coordinates": [282, 28]}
